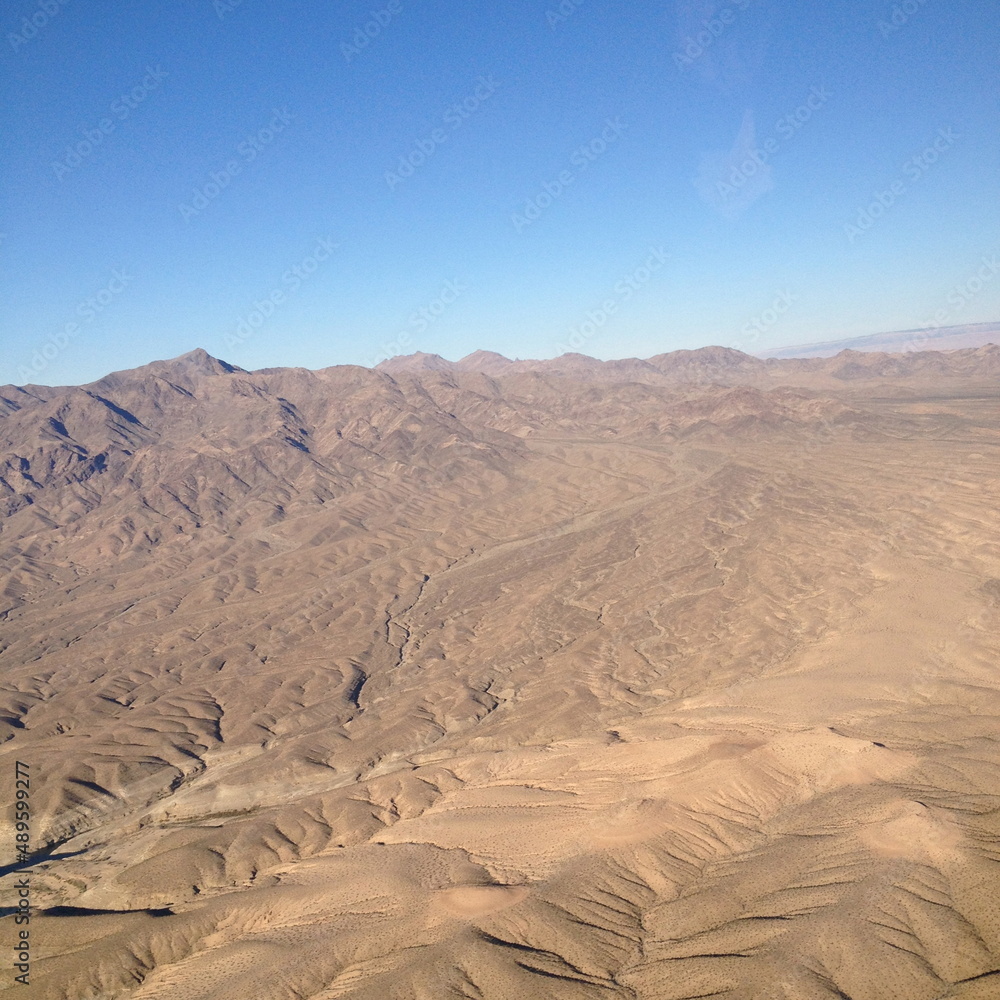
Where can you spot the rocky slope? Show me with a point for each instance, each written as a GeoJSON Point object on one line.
{"type": "Point", "coordinates": [494, 679]}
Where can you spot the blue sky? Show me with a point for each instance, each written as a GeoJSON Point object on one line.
{"type": "Point", "coordinates": [292, 183]}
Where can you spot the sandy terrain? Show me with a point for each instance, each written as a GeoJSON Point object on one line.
{"type": "Point", "coordinates": [650, 680]}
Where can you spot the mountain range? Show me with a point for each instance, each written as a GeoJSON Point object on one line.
{"type": "Point", "coordinates": [495, 679]}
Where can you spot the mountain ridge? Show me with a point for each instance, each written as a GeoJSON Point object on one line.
{"type": "Point", "coordinates": [577, 678]}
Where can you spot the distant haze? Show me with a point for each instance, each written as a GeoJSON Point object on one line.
{"type": "Point", "coordinates": [948, 338]}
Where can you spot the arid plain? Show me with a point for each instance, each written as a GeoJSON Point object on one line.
{"type": "Point", "coordinates": [636, 680]}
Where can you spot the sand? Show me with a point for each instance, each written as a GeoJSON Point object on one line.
{"type": "Point", "coordinates": [652, 680]}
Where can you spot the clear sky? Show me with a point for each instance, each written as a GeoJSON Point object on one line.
{"type": "Point", "coordinates": [306, 183]}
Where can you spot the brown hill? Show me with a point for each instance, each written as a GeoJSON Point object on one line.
{"type": "Point", "coordinates": [725, 366]}
{"type": "Point", "coordinates": [496, 679]}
